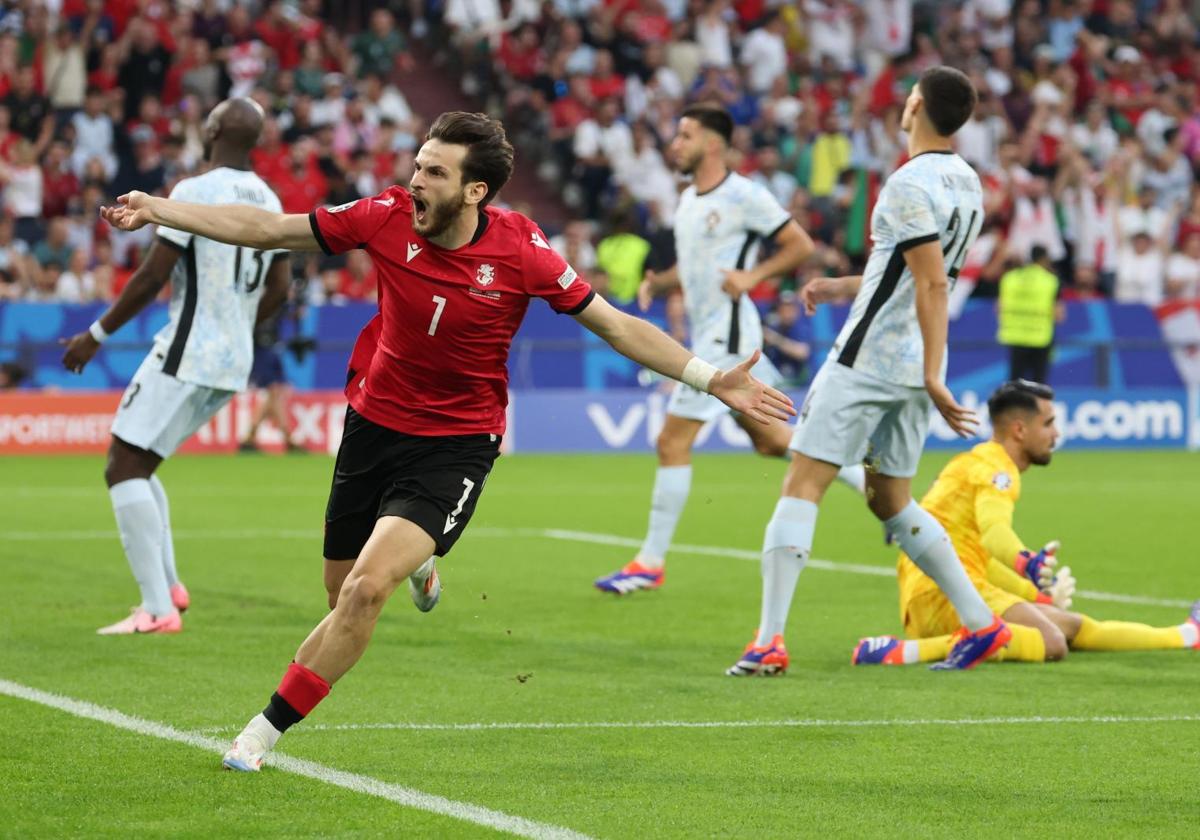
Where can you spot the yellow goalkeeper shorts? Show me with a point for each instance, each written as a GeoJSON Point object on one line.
{"type": "Point", "coordinates": [930, 613]}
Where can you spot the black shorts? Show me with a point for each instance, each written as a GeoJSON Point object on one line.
{"type": "Point", "coordinates": [433, 482]}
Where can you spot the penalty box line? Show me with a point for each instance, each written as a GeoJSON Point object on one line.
{"type": "Point", "coordinates": [400, 795]}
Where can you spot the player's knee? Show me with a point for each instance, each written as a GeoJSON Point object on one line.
{"type": "Point", "coordinates": [363, 594]}
{"type": "Point", "coordinates": [1056, 644]}
{"type": "Point", "coordinates": [671, 449]}
{"type": "Point", "coordinates": [770, 448]}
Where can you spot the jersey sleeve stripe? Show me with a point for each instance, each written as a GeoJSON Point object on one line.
{"type": "Point", "coordinates": [778, 230]}
{"type": "Point", "coordinates": [316, 229]}
{"type": "Point", "coordinates": [886, 288]}
{"type": "Point", "coordinates": [170, 243]}
{"type": "Point", "coordinates": [582, 305]}
{"type": "Point", "coordinates": [917, 240]}
{"type": "Point", "coordinates": [187, 314]}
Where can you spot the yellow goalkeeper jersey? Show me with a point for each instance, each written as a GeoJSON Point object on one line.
{"type": "Point", "coordinates": [976, 491]}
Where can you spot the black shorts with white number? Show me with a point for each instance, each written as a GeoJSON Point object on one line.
{"type": "Point", "coordinates": [433, 482]}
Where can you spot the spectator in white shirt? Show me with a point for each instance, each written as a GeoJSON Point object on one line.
{"type": "Point", "coordinates": [1183, 271]}
{"type": "Point", "coordinates": [602, 145]}
{"type": "Point", "coordinates": [978, 141]}
{"type": "Point", "coordinates": [889, 28]}
{"type": "Point", "coordinates": [77, 284]}
{"type": "Point", "coordinates": [764, 54]}
{"type": "Point", "coordinates": [830, 31]}
{"type": "Point", "coordinates": [1095, 136]}
{"type": "Point", "coordinates": [783, 185]}
{"type": "Point", "coordinates": [575, 245]}
{"type": "Point", "coordinates": [23, 185]}
{"type": "Point", "coordinates": [1034, 222]}
{"type": "Point", "coordinates": [93, 136]}
{"type": "Point", "coordinates": [1140, 272]}
{"type": "Point", "coordinates": [712, 34]}
{"type": "Point", "coordinates": [382, 101]}
{"type": "Point", "coordinates": [1143, 216]}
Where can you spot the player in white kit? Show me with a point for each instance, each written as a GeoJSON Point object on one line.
{"type": "Point", "coordinates": [200, 359]}
{"type": "Point", "coordinates": [720, 223]}
{"type": "Point", "coordinates": [872, 399]}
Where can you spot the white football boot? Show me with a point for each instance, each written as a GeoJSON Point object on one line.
{"type": "Point", "coordinates": [425, 586]}
{"type": "Point", "coordinates": [251, 746]}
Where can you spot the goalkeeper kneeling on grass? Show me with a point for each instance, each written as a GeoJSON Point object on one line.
{"type": "Point", "coordinates": [973, 498]}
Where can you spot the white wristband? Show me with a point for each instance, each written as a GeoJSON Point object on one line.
{"type": "Point", "coordinates": [698, 373]}
{"type": "Point", "coordinates": [98, 332]}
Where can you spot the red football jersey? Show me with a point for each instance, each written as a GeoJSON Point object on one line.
{"type": "Point", "coordinates": [447, 318]}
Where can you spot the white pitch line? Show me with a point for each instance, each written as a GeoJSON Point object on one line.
{"type": "Point", "coordinates": [407, 797]}
{"type": "Point", "coordinates": [570, 536]}
{"type": "Point", "coordinates": [788, 723]}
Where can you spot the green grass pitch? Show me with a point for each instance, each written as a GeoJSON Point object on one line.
{"type": "Point", "coordinates": [521, 637]}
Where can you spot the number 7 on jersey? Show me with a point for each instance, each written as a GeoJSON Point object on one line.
{"type": "Point", "coordinates": [437, 313]}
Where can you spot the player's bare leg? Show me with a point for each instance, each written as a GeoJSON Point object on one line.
{"type": "Point", "coordinates": [396, 549]}
{"type": "Point", "coordinates": [672, 484]}
{"type": "Point", "coordinates": [139, 504]}
{"type": "Point", "coordinates": [424, 585]}
{"type": "Point", "coordinates": [1086, 633]}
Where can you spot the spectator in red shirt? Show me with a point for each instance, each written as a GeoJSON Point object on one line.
{"type": "Point", "coordinates": [277, 29]}
{"type": "Point", "coordinates": [358, 281]}
{"type": "Point", "coordinates": [520, 53]}
{"type": "Point", "coordinates": [59, 184]}
{"type": "Point", "coordinates": [605, 82]}
{"type": "Point", "coordinates": [270, 158]}
{"type": "Point", "coordinates": [304, 186]}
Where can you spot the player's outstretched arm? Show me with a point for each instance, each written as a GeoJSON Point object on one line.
{"type": "Point", "coordinates": [929, 274]}
{"type": "Point", "coordinates": [143, 287]}
{"type": "Point", "coordinates": [649, 346]}
{"type": "Point", "coordinates": [234, 224]}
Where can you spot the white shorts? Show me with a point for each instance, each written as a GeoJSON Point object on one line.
{"type": "Point", "coordinates": [159, 412]}
{"type": "Point", "coordinates": [850, 417]}
{"type": "Point", "coordinates": [690, 404]}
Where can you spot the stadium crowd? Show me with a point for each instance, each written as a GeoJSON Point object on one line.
{"type": "Point", "coordinates": [1087, 135]}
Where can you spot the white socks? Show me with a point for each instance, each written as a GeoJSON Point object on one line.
{"type": "Point", "coordinates": [854, 477]}
{"type": "Point", "coordinates": [926, 542]}
{"type": "Point", "coordinates": [786, 546]}
{"type": "Point", "coordinates": [263, 728]}
{"type": "Point", "coordinates": [168, 544]}
{"type": "Point", "coordinates": [141, 528]}
{"type": "Point", "coordinates": [671, 488]}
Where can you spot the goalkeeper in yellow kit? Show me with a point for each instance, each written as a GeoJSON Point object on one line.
{"type": "Point", "coordinates": [973, 498]}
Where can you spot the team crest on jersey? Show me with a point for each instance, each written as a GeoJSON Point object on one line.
{"type": "Point", "coordinates": [342, 207]}
{"type": "Point", "coordinates": [712, 220]}
{"type": "Point", "coordinates": [486, 275]}
{"type": "Point", "coordinates": [1002, 480]}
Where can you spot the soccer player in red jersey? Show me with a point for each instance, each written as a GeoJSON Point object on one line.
{"type": "Point", "coordinates": [428, 381]}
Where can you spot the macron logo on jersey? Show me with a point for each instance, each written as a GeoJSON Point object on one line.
{"type": "Point", "coordinates": [413, 250]}
{"type": "Point", "coordinates": [537, 240]}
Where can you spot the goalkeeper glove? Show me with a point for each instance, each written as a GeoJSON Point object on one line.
{"type": "Point", "coordinates": [1061, 590]}
{"type": "Point", "coordinates": [1039, 568]}
{"type": "Point", "coordinates": [1057, 586]}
